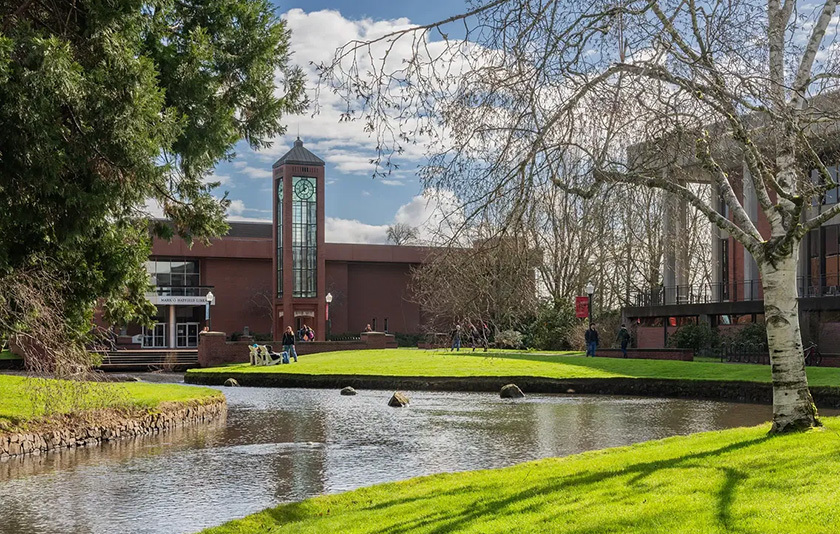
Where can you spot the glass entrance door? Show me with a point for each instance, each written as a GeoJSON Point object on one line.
{"type": "Point", "coordinates": [186, 335]}
{"type": "Point", "coordinates": [155, 337]}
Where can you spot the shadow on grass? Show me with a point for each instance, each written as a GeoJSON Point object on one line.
{"type": "Point", "coordinates": [477, 503]}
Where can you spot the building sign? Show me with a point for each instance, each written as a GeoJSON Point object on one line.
{"type": "Point", "coordinates": [304, 313]}
{"type": "Point", "coordinates": [179, 300]}
{"type": "Point", "coordinates": [581, 307]}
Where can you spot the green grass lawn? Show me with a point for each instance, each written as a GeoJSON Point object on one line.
{"type": "Point", "coordinates": [739, 480]}
{"type": "Point", "coordinates": [413, 362]}
{"type": "Point", "coordinates": [7, 355]}
{"type": "Point", "coordinates": [19, 407]}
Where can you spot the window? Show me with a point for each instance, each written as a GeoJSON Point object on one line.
{"type": "Point", "coordinates": [173, 273]}
{"type": "Point", "coordinates": [280, 238]}
{"type": "Point", "coordinates": [304, 237]}
{"type": "Point", "coordinates": [831, 194]}
{"type": "Point", "coordinates": [831, 256]}
{"type": "Point", "coordinates": [724, 269]}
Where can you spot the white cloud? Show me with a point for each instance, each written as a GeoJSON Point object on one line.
{"type": "Point", "coordinates": [434, 215]}
{"type": "Point", "coordinates": [256, 173]}
{"type": "Point", "coordinates": [391, 182]}
{"type": "Point", "coordinates": [237, 207]}
{"type": "Point", "coordinates": [223, 179]}
{"type": "Point", "coordinates": [344, 144]}
{"type": "Point", "coordinates": [353, 231]}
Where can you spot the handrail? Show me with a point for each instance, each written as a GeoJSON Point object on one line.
{"type": "Point", "coordinates": [741, 291]}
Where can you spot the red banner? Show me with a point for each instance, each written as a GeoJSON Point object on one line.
{"type": "Point", "coordinates": [581, 307]}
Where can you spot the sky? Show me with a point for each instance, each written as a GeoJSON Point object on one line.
{"type": "Point", "coordinates": [359, 208]}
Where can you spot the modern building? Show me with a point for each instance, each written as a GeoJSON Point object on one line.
{"type": "Point", "coordinates": [266, 276]}
{"type": "Point", "coordinates": [734, 297]}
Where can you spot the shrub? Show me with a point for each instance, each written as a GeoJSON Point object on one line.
{"type": "Point", "coordinates": [752, 334]}
{"type": "Point", "coordinates": [554, 327]}
{"type": "Point", "coordinates": [694, 336]}
{"type": "Point", "coordinates": [509, 339]}
{"type": "Point", "coordinates": [407, 340]}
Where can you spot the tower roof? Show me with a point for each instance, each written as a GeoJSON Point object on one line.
{"type": "Point", "coordinates": [298, 155]}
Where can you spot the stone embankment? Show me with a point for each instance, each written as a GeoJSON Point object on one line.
{"type": "Point", "coordinates": [109, 425]}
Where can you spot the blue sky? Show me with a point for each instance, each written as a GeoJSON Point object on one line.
{"type": "Point", "coordinates": [358, 207]}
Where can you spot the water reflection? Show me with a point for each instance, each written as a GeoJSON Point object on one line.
{"type": "Point", "coordinates": [283, 445]}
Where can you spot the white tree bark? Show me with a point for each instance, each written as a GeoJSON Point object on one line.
{"type": "Point", "coordinates": [793, 407]}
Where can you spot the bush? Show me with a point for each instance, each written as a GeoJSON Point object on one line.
{"type": "Point", "coordinates": [407, 340]}
{"type": "Point", "coordinates": [554, 327]}
{"type": "Point", "coordinates": [752, 334]}
{"type": "Point", "coordinates": [694, 336]}
{"type": "Point", "coordinates": [509, 339]}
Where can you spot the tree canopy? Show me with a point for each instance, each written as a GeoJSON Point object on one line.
{"type": "Point", "coordinates": [741, 95]}
{"type": "Point", "coordinates": [107, 107]}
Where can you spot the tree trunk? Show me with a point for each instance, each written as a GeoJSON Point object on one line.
{"type": "Point", "coordinates": [793, 407]}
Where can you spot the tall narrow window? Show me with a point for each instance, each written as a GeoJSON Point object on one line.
{"type": "Point", "coordinates": [279, 238]}
{"type": "Point", "coordinates": [724, 269]}
{"type": "Point", "coordinates": [304, 237]}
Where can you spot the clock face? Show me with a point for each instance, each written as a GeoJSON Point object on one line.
{"type": "Point", "coordinates": [304, 189]}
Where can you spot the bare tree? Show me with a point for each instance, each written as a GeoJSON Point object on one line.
{"type": "Point", "coordinates": [493, 281]}
{"type": "Point", "coordinates": [739, 94]}
{"type": "Point", "coordinates": [402, 234]}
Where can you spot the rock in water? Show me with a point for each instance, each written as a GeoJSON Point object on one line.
{"type": "Point", "coordinates": [398, 400]}
{"type": "Point", "coordinates": [511, 391]}
{"type": "Point", "coordinates": [231, 382]}
{"type": "Point", "coordinates": [348, 391]}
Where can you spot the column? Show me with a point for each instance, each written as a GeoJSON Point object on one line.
{"type": "Point", "coordinates": [172, 332]}
{"type": "Point", "coordinates": [750, 266]}
{"type": "Point", "coordinates": [669, 274]}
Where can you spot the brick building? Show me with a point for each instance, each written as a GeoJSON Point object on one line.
{"type": "Point", "coordinates": [734, 296]}
{"type": "Point", "coordinates": [266, 276]}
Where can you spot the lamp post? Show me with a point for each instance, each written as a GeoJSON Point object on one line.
{"type": "Point", "coordinates": [209, 299]}
{"type": "Point", "coordinates": [590, 289]}
{"type": "Point", "coordinates": [328, 298]}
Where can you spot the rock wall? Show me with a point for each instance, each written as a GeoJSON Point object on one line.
{"type": "Point", "coordinates": [110, 425]}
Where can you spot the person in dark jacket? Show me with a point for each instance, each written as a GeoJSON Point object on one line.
{"type": "Point", "coordinates": [289, 342]}
{"type": "Point", "coordinates": [591, 338]}
{"type": "Point", "coordinates": [623, 340]}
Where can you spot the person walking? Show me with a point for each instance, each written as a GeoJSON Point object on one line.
{"type": "Point", "coordinates": [591, 338]}
{"type": "Point", "coordinates": [623, 340]}
{"type": "Point", "coordinates": [474, 336]}
{"type": "Point", "coordinates": [289, 342]}
{"type": "Point", "coordinates": [456, 338]}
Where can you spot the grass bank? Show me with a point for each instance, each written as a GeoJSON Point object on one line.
{"type": "Point", "coordinates": [421, 363]}
{"type": "Point", "coordinates": [21, 398]}
{"type": "Point", "coordinates": [739, 480]}
{"type": "Point", "coordinates": [7, 355]}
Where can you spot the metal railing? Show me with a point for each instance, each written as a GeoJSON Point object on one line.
{"type": "Point", "coordinates": [744, 291]}
{"type": "Point", "coordinates": [747, 290]}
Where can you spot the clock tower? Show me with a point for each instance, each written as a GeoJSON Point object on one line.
{"type": "Point", "coordinates": [298, 232]}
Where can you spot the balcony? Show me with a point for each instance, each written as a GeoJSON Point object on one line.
{"type": "Point", "coordinates": [748, 290]}
{"type": "Point", "coordinates": [816, 292]}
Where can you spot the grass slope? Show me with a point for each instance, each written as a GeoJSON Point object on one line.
{"type": "Point", "coordinates": [412, 362]}
{"type": "Point", "coordinates": [737, 480]}
{"type": "Point", "coordinates": [7, 355]}
{"type": "Point", "coordinates": [17, 408]}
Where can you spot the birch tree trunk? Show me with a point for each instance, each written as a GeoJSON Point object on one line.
{"type": "Point", "coordinates": [793, 407]}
